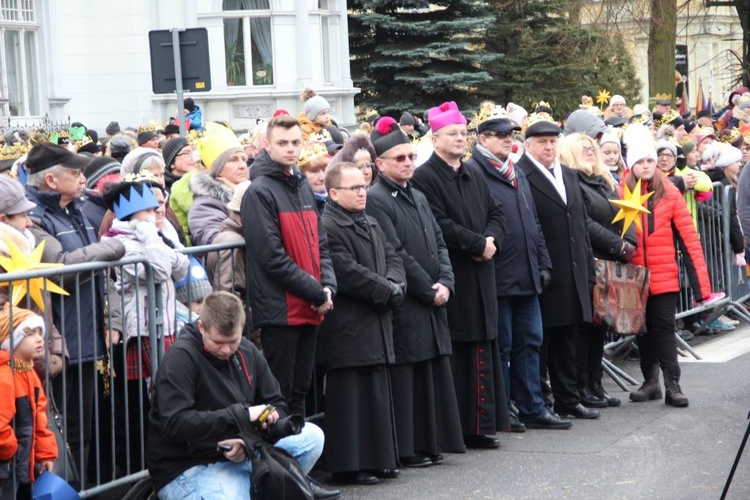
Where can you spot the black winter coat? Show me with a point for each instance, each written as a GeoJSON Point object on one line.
{"type": "Point", "coordinates": [524, 250]}
{"type": "Point", "coordinates": [466, 213]}
{"type": "Point", "coordinates": [420, 329]}
{"type": "Point", "coordinates": [604, 236]}
{"type": "Point", "coordinates": [192, 396]}
{"type": "Point", "coordinates": [568, 299]}
{"type": "Point", "coordinates": [359, 330]}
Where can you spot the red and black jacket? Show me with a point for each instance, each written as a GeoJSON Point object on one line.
{"type": "Point", "coordinates": [286, 247]}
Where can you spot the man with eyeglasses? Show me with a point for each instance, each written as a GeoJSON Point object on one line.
{"type": "Point", "coordinates": [55, 184]}
{"type": "Point", "coordinates": [422, 380]}
{"type": "Point", "coordinates": [522, 271]}
{"type": "Point", "coordinates": [473, 226]}
{"type": "Point", "coordinates": [357, 335]}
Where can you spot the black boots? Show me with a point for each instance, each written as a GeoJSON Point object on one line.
{"type": "Point", "coordinates": [650, 388]}
{"type": "Point", "coordinates": [589, 399]}
{"type": "Point", "coordinates": [599, 392]}
{"type": "Point", "coordinates": [674, 396]}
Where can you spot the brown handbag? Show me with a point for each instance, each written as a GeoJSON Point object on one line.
{"type": "Point", "coordinates": [620, 296]}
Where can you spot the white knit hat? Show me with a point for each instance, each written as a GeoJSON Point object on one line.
{"type": "Point", "coordinates": [617, 99]}
{"type": "Point", "coordinates": [23, 322]}
{"type": "Point", "coordinates": [640, 150]}
{"type": "Point", "coordinates": [728, 154]}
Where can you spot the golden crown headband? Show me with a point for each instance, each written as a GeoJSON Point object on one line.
{"type": "Point", "coordinates": [311, 151]}
{"type": "Point", "coordinates": [14, 151]}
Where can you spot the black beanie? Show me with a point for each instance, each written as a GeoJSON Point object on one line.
{"type": "Point", "coordinates": [113, 128]}
{"type": "Point", "coordinates": [387, 134]}
{"type": "Point", "coordinates": [188, 103]}
{"type": "Point", "coordinates": [98, 168]}
{"type": "Point", "coordinates": [406, 119]}
{"type": "Point", "coordinates": [171, 148]}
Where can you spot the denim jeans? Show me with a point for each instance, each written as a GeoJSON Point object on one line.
{"type": "Point", "coordinates": [519, 337]}
{"type": "Point", "coordinates": [231, 481]}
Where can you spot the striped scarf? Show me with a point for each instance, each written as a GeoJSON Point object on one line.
{"type": "Point", "coordinates": [505, 168]}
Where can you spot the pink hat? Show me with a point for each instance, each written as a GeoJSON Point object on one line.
{"type": "Point", "coordinates": [444, 115]}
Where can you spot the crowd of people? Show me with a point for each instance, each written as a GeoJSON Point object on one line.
{"type": "Point", "coordinates": [431, 275]}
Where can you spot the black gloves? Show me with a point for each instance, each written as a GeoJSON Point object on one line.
{"type": "Point", "coordinates": [398, 294]}
{"type": "Point", "coordinates": [546, 276]}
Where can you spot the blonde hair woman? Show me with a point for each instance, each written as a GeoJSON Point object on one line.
{"type": "Point", "coordinates": [581, 153]}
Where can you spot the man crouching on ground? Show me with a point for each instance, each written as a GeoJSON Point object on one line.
{"type": "Point", "coordinates": [210, 368]}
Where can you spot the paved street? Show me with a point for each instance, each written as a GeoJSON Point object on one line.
{"type": "Point", "coordinates": [643, 450]}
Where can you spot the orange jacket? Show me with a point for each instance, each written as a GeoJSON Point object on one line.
{"type": "Point", "coordinates": [669, 222]}
{"type": "Point", "coordinates": [24, 389]}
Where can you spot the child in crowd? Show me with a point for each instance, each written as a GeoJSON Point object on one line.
{"type": "Point", "coordinates": [27, 446]}
{"type": "Point", "coordinates": [190, 292]}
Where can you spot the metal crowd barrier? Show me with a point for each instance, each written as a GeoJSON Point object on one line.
{"type": "Point", "coordinates": [108, 454]}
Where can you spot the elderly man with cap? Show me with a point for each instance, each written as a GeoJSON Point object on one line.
{"type": "Point", "coordinates": [522, 271]}
{"type": "Point", "coordinates": [473, 226]}
{"type": "Point", "coordinates": [55, 184]}
{"type": "Point", "coordinates": [566, 301]}
{"type": "Point", "coordinates": [422, 380]}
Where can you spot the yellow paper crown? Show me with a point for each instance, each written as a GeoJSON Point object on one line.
{"type": "Point", "coordinates": [14, 151]}
{"type": "Point", "coordinates": [667, 117]}
{"type": "Point", "coordinates": [729, 135]}
{"type": "Point", "coordinates": [542, 104]}
{"type": "Point", "coordinates": [193, 136]}
{"type": "Point", "coordinates": [216, 140]}
{"type": "Point", "coordinates": [539, 117]}
{"type": "Point", "coordinates": [369, 112]}
{"type": "Point", "coordinates": [586, 100]}
{"type": "Point", "coordinates": [310, 151]}
{"type": "Point", "coordinates": [663, 97]}
{"type": "Point", "coordinates": [490, 111]}
{"type": "Point", "coordinates": [151, 126]}
{"type": "Point", "coordinates": [245, 139]}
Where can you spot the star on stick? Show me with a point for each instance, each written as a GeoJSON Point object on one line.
{"type": "Point", "coordinates": [631, 206]}
{"type": "Point", "coordinates": [18, 262]}
{"type": "Point", "coordinates": [602, 98]}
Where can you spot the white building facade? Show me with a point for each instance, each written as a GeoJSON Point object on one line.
{"type": "Point", "coordinates": [89, 59]}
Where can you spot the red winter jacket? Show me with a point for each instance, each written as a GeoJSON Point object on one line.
{"type": "Point", "coordinates": [669, 223]}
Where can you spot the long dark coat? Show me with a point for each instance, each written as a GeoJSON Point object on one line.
{"type": "Point", "coordinates": [420, 329]}
{"type": "Point", "coordinates": [568, 299]}
{"type": "Point", "coordinates": [603, 234]}
{"type": "Point", "coordinates": [524, 251]}
{"type": "Point", "coordinates": [359, 330]}
{"type": "Point", "coordinates": [466, 213]}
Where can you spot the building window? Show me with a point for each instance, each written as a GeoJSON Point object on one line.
{"type": "Point", "coordinates": [327, 32]}
{"type": "Point", "coordinates": [18, 57]}
{"type": "Point", "coordinates": [248, 42]}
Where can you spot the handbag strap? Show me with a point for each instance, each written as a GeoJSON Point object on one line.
{"type": "Point", "coordinates": [248, 434]}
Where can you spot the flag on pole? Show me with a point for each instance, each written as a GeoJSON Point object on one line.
{"type": "Point", "coordinates": [710, 105]}
{"type": "Point", "coordinates": [700, 101]}
{"type": "Point", "coordinates": [684, 106]}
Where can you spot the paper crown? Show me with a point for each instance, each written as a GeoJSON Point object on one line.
{"type": "Point", "coordinates": [667, 117]}
{"type": "Point", "coordinates": [488, 110]}
{"type": "Point", "coordinates": [14, 151]}
{"type": "Point", "coordinates": [310, 151]}
{"type": "Point", "coordinates": [216, 140]}
{"type": "Point", "coordinates": [322, 136]}
{"type": "Point", "coordinates": [193, 137]}
{"type": "Point", "coordinates": [77, 133]}
{"type": "Point", "coordinates": [132, 201]}
{"type": "Point", "coordinates": [539, 117]}
{"type": "Point", "coordinates": [586, 101]}
{"type": "Point", "coordinates": [151, 126]}
{"type": "Point", "coordinates": [370, 112]}
{"type": "Point", "coordinates": [730, 135]}
{"type": "Point", "coordinates": [663, 97]}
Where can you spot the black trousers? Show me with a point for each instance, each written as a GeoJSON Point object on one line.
{"type": "Point", "coordinates": [76, 400]}
{"type": "Point", "coordinates": [589, 353]}
{"type": "Point", "coordinates": [290, 352]}
{"type": "Point", "coordinates": [659, 345]}
{"type": "Point", "coordinates": [559, 352]}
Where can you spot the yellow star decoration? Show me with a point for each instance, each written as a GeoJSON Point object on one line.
{"type": "Point", "coordinates": [602, 98]}
{"type": "Point", "coordinates": [18, 262]}
{"type": "Point", "coordinates": [630, 207]}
